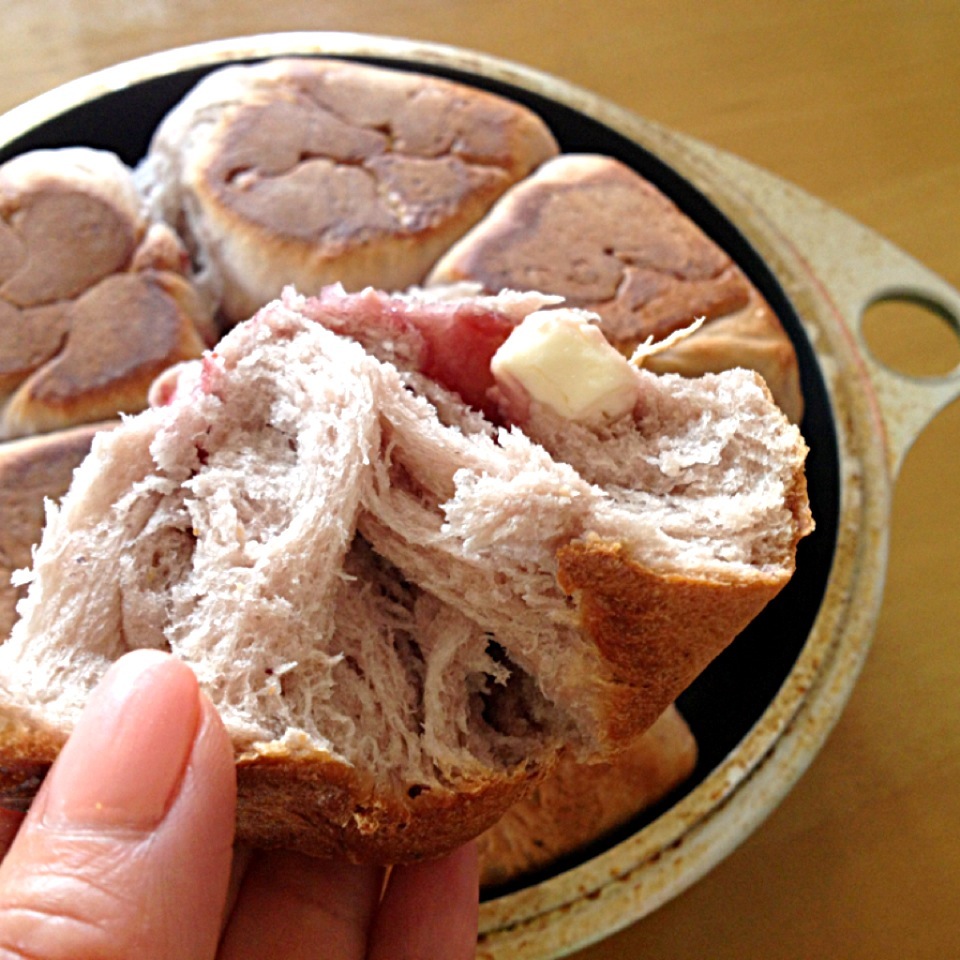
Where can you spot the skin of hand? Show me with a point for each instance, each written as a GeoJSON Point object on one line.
{"type": "Point", "coordinates": [127, 851]}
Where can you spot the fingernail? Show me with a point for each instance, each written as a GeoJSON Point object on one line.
{"type": "Point", "coordinates": [124, 762]}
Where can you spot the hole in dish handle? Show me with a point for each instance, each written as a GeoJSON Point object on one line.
{"type": "Point", "coordinates": [908, 402]}
{"type": "Point", "coordinates": [912, 335]}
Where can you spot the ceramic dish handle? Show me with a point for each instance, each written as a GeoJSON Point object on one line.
{"type": "Point", "coordinates": [861, 269]}
{"type": "Point", "coordinates": [858, 268]}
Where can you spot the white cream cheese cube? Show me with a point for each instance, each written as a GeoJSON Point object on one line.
{"type": "Point", "coordinates": [563, 361]}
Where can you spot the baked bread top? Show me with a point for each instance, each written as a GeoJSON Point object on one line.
{"type": "Point", "coordinates": [592, 230]}
{"type": "Point", "coordinates": [93, 301]}
{"type": "Point", "coordinates": [312, 171]}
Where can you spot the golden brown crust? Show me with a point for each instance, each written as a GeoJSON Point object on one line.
{"type": "Point", "coordinates": [324, 808]}
{"type": "Point", "coordinates": [26, 753]}
{"type": "Point", "coordinates": [751, 337]}
{"type": "Point", "coordinates": [576, 804]}
{"type": "Point", "coordinates": [592, 230]}
{"type": "Point", "coordinates": [306, 801]}
{"type": "Point", "coordinates": [656, 631]}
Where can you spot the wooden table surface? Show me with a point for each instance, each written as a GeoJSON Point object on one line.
{"type": "Point", "coordinates": [858, 102]}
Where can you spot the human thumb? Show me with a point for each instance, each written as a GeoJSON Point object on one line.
{"type": "Point", "coordinates": [126, 850]}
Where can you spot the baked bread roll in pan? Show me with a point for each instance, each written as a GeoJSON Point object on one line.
{"type": "Point", "coordinates": [94, 301]}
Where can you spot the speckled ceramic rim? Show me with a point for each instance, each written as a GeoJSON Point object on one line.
{"type": "Point", "coordinates": [832, 269]}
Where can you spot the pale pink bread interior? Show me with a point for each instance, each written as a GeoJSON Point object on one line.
{"type": "Point", "coordinates": [392, 602]}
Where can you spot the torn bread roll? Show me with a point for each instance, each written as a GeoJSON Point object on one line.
{"type": "Point", "coordinates": [574, 805]}
{"type": "Point", "coordinates": [404, 611]}
{"type": "Point", "coordinates": [93, 300]}
{"type": "Point", "coordinates": [314, 171]}
{"type": "Point", "coordinates": [592, 230]}
{"type": "Point", "coordinates": [577, 804]}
